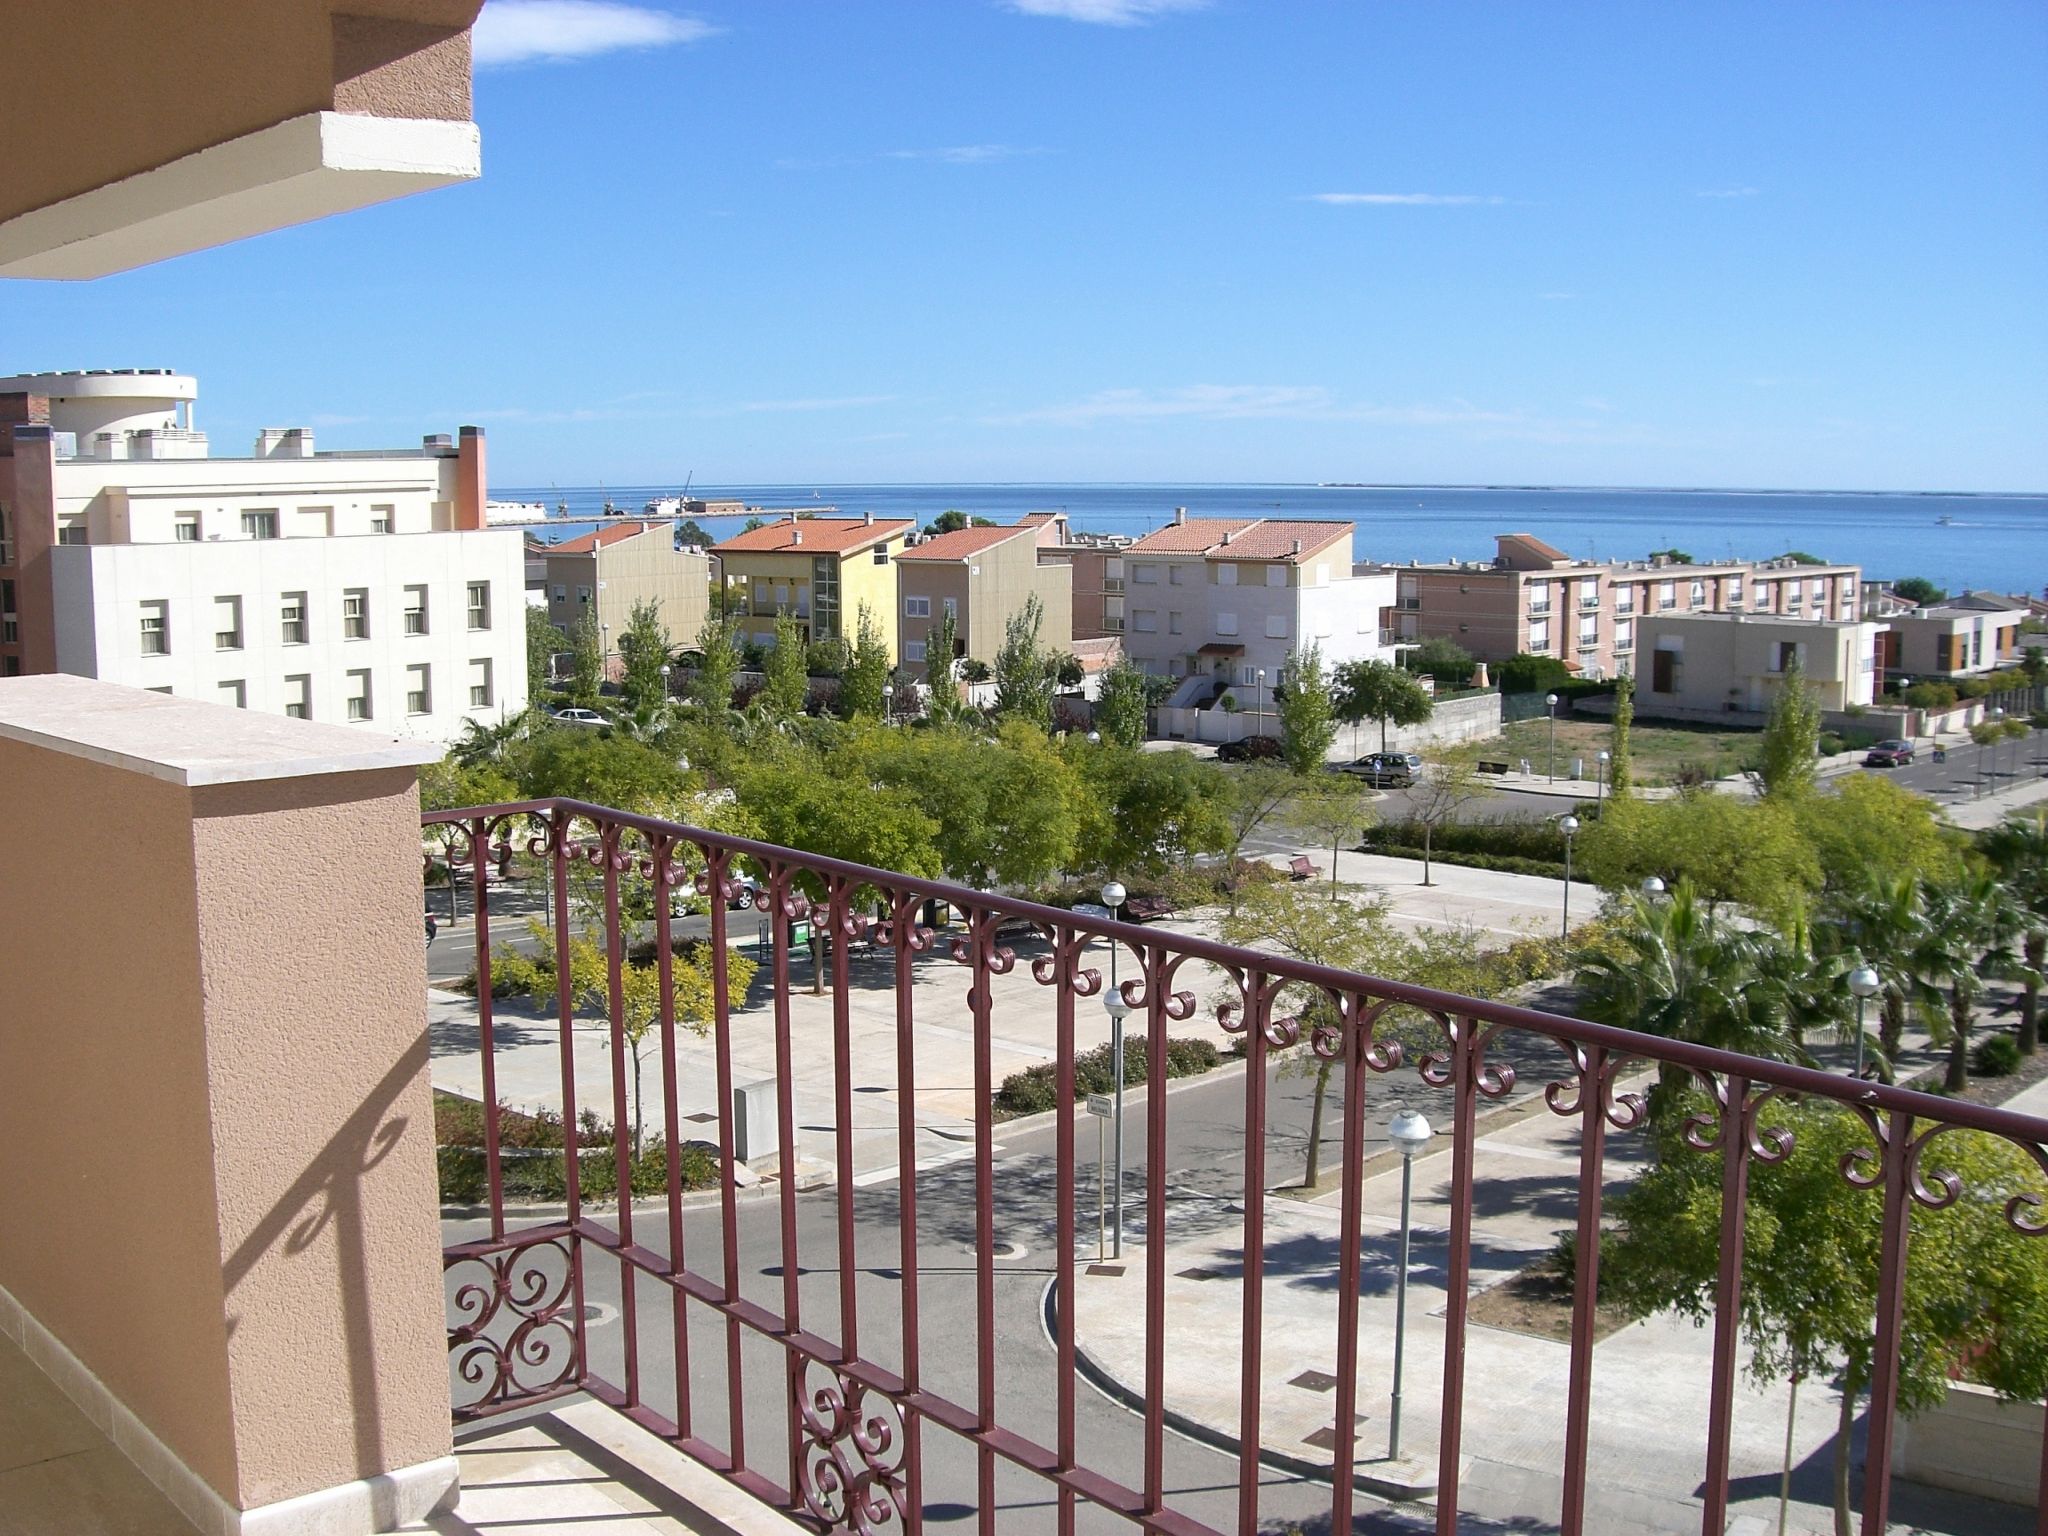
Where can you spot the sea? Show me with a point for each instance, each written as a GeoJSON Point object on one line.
{"type": "Point", "coordinates": [1957, 541]}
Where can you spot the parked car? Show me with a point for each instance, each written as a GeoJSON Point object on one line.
{"type": "Point", "coordinates": [1385, 770]}
{"type": "Point", "coordinates": [1249, 749]}
{"type": "Point", "coordinates": [588, 718]}
{"type": "Point", "coordinates": [1889, 754]}
{"type": "Point", "coordinates": [746, 894]}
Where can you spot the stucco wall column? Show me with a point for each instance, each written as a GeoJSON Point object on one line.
{"type": "Point", "coordinates": [221, 1134]}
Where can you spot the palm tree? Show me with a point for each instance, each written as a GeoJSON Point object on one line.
{"type": "Point", "coordinates": [1962, 944]}
{"type": "Point", "coordinates": [1879, 924]}
{"type": "Point", "coordinates": [1681, 975]}
{"type": "Point", "coordinates": [2018, 850]}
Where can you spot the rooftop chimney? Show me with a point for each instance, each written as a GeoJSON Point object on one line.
{"type": "Point", "coordinates": [1226, 535]}
{"type": "Point", "coordinates": [868, 518]}
{"type": "Point", "coordinates": [1180, 514]}
{"type": "Point", "coordinates": [796, 531]}
{"type": "Point", "coordinates": [1297, 546]}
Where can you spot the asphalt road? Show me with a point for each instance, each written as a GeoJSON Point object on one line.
{"type": "Point", "coordinates": [1204, 1177]}
{"type": "Point", "coordinates": [1971, 770]}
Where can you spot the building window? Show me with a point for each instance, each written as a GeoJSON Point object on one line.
{"type": "Point", "coordinates": [359, 696]}
{"type": "Point", "coordinates": [1112, 624]}
{"type": "Point", "coordinates": [824, 597]}
{"type": "Point", "coordinates": [227, 623]}
{"type": "Point", "coordinates": [235, 694]}
{"type": "Point", "coordinates": [952, 605]}
{"type": "Point", "coordinates": [71, 533]}
{"type": "Point", "coordinates": [1226, 623]}
{"type": "Point", "coordinates": [156, 628]}
{"type": "Point", "coordinates": [1145, 575]}
{"type": "Point", "coordinates": [480, 696]}
{"type": "Point", "coordinates": [582, 594]}
{"type": "Point", "coordinates": [1539, 597]}
{"type": "Point", "coordinates": [1276, 575]}
{"type": "Point", "coordinates": [1624, 599]}
{"type": "Point", "coordinates": [881, 554]}
{"type": "Point", "coordinates": [1173, 622]}
{"type": "Point", "coordinates": [1589, 630]}
{"type": "Point", "coordinates": [1226, 575]}
{"type": "Point", "coordinates": [355, 615]}
{"type": "Point", "coordinates": [1176, 575]}
{"type": "Point", "coordinates": [10, 627]}
{"type": "Point", "coordinates": [917, 607]}
{"type": "Point", "coordinates": [186, 529]}
{"type": "Point", "coordinates": [1698, 594]}
{"type": "Point", "coordinates": [1589, 594]}
{"type": "Point", "coordinates": [380, 519]}
{"type": "Point", "coordinates": [259, 525]}
{"type": "Point", "coordinates": [419, 689]}
{"type": "Point", "coordinates": [415, 610]}
{"type": "Point", "coordinates": [1624, 634]}
{"type": "Point", "coordinates": [298, 697]}
{"type": "Point", "coordinates": [479, 605]}
{"type": "Point", "coordinates": [1784, 655]}
{"type": "Point", "coordinates": [6, 540]}
{"type": "Point", "coordinates": [913, 650]}
{"type": "Point", "coordinates": [1667, 594]}
{"type": "Point", "coordinates": [1664, 672]}
{"type": "Point", "coordinates": [292, 616]}
{"type": "Point", "coordinates": [561, 594]}
{"type": "Point", "coordinates": [10, 666]}
{"type": "Point", "coordinates": [1145, 620]}
{"type": "Point", "coordinates": [1539, 635]}
{"type": "Point", "coordinates": [1276, 626]}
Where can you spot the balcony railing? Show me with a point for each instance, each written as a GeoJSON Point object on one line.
{"type": "Point", "coordinates": [835, 1350]}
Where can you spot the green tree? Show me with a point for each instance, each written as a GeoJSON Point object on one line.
{"type": "Point", "coordinates": [867, 670]}
{"type": "Point", "coordinates": [1332, 809]}
{"type": "Point", "coordinates": [2034, 666]}
{"type": "Point", "coordinates": [798, 806]}
{"type": "Point", "coordinates": [1120, 708]}
{"type": "Point", "coordinates": [2018, 850]}
{"type": "Point", "coordinates": [1878, 921]}
{"type": "Point", "coordinates": [952, 520]}
{"type": "Point", "coordinates": [1976, 1290]}
{"type": "Point", "coordinates": [586, 660]}
{"type": "Point", "coordinates": [1867, 826]}
{"type": "Point", "coordinates": [1961, 945]}
{"type": "Point", "coordinates": [644, 648]}
{"type": "Point", "coordinates": [1527, 673]}
{"type": "Point", "coordinates": [1671, 970]}
{"type": "Point", "coordinates": [788, 685]}
{"type": "Point", "coordinates": [1445, 660]}
{"type": "Point", "coordinates": [1443, 790]}
{"type": "Point", "coordinates": [1672, 556]}
{"type": "Point", "coordinates": [1618, 769]}
{"type": "Point", "coordinates": [1750, 852]}
{"type": "Point", "coordinates": [718, 665]}
{"type": "Point", "coordinates": [941, 651]}
{"type": "Point", "coordinates": [1150, 812]}
{"type": "Point", "coordinates": [1919, 591]}
{"type": "Point", "coordinates": [605, 770]}
{"type": "Point", "coordinates": [1024, 685]}
{"type": "Point", "coordinates": [1308, 716]}
{"type": "Point", "coordinates": [1791, 737]}
{"type": "Point", "coordinates": [1378, 690]}
{"type": "Point", "coordinates": [1255, 795]}
{"type": "Point", "coordinates": [543, 642]}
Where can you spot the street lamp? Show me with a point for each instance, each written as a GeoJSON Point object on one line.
{"type": "Point", "coordinates": [1864, 982]}
{"type": "Point", "coordinates": [1550, 703]}
{"type": "Point", "coordinates": [1113, 894]}
{"type": "Point", "coordinates": [1653, 886]}
{"type": "Point", "coordinates": [664, 679]}
{"type": "Point", "coordinates": [1410, 1132]}
{"type": "Point", "coordinates": [888, 703]}
{"type": "Point", "coordinates": [1261, 697]}
{"type": "Point", "coordinates": [1600, 791]}
{"type": "Point", "coordinates": [1569, 827]}
{"type": "Point", "coordinates": [1996, 716]}
{"type": "Point", "coordinates": [1095, 738]}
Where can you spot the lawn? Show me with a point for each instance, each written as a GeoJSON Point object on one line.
{"type": "Point", "coordinates": [1658, 750]}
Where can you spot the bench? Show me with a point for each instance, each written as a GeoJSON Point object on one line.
{"type": "Point", "coordinates": [1491, 767]}
{"type": "Point", "coordinates": [1299, 868]}
{"type": "Point", "coordinates": [1141, 909]}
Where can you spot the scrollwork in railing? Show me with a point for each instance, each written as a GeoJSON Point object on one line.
{"type": "Point", "coordinates": [1940, 1188]}
{"type": "Point", "coordinates": [1622, 1111]}
{"type": "Point", "coordinates": [1465, 1035]}
{"type": "Point", "coordinates": [852, 1458]}
{"type": "Point", "coordinates": [902, 919]}
{"type": "Point", "coordinates": [1706, 1131]}
{"type": "Point", "coordinates": [512, 1329]}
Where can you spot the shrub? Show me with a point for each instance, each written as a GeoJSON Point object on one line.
{"type": "Point", "coordinates": [1929, 696]}
{"type": "Point", "coordinates": [542, 1176]}
{"type": "Point", "coordinates": [1036, 1089]}
{"type": "Point", "coordinates": [1538, 841]}
{"type": "Point", "coordinates": [1996, 1056]}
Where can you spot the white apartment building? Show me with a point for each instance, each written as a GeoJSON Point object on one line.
{"type": "Point", "coordinates": [1222, 601]}
{"type": "Point", "coordinates": [355, 587]}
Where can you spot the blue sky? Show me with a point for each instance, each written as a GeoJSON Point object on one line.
{"type": "Point", "coordinates": [1781, 244]}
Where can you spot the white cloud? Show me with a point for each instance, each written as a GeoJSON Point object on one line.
{"type": "Point", "coordinates": [1107, 13]}
{"type": "Point", "coordinates": [1398, 199]}
{"type": "Point", "coordinates": [965, 154]}
{"type": "Point", "coordinates": [551, 31]}
{"type": "Point", "coordinates": [816, 403]}
{"type": "Point", "coordinates": [1728, 192]}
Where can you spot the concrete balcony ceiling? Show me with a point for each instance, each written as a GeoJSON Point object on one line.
{"type": "Point", "coordinates": [131, 143]}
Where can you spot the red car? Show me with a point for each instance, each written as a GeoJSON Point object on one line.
{"type": "Point", "coordinates": [1889, 754]}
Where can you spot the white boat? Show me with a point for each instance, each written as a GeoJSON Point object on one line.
{"type": "Point", "coordinates": [664, 506]}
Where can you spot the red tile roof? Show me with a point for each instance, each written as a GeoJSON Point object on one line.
{"type": "Point", "coordinates": [965, 543]}
{"type": "Point", "coordinates": [820, 536]}
{"type": "Point", "coordinates": [611, 533]}
{"type": "Point", "coordinates": [1275, 540]}
{"type": "Point", "coordinates": [1192, 537]}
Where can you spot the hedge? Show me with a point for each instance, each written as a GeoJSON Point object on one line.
{"type": "Point", "coordinates": [1036, 1089]}
{"type": "Point", "coordinates": [1529, 841]}
{"type": "Point", "coordinates": [541, 1175]}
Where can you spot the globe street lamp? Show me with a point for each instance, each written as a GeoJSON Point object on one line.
{"type": "Point", "coordinates": [1550, 703]}
{"type": "Point", "coordinates": [1997, 718]}
{"type": "Point", "coordinates": [1653, 886]}
{"type": "Point", "coordinates": [1569, 827]}
{"type": "Point", "coordinates": [1410, 1132]}
{"type": "Point", "coordinates": [1260, 695]}
{"type": "Point", "coordinates": [664, 679]}
{"type": "Point", "coordinates": [1600, 792]}
{"type": "Point", "coordinates": [888, 703]}
{"type": "Point", "coordinates": [1113, 894]}
{"type": "Point", "coordinates": [1864, 982]}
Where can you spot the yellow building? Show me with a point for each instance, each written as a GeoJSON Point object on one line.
{"type": "Point", "coordinates": [822, 569]}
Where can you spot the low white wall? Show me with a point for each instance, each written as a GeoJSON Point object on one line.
{"type": "Point", "coordinates": [1973, 1443]}
{"type": "Point", "coordinates": [1473, 718]}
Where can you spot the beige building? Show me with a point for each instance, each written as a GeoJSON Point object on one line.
{"type": "Point", "coordinates": [984, 577]}
{"type": "Point", "coordinates": [1732, 663]}
{"type": "Point", "coordinates": [614, 569]}
{"type": "Point", "coordinates": [824, 570]}
{"type": "Point", "coordinates": [1097, 563]}
{"type": "Point", "coordinates": [1534, 599]}
{"type": "Point", "coordinates": [1974, 633]}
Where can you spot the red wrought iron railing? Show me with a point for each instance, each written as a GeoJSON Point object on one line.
{"type": "Point", "coordinates": [814, 1381]}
